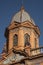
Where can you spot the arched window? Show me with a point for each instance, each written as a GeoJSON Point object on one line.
{"type": "Point", "coordinates": [15, 40]}
{"type": "Point", "coordinates": [26, 38]}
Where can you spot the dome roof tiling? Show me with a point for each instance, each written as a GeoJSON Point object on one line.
{"type": "Point", "coordinates": [22, 16]}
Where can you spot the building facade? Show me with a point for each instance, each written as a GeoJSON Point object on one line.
{"type": "Point", "coordinates": [22, 41]}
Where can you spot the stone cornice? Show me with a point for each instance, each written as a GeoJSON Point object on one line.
{"type": "Point", "coordinates": [24, 24]}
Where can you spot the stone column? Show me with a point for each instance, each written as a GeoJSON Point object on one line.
{"type": "Point", "coordinates": [32, 41]}
{"type": "Point", "coordinates": [21, 38]}
{"type": "Point", "coordinates": [10, 40]}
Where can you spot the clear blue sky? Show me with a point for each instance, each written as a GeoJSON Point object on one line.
{"type": "Point", "coordinates": [9, 7]}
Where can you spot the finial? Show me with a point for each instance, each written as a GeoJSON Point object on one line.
{"type": "Point", "coordinates": [22, 7]}
{"type": "Point", "coordinates": [22, 10]}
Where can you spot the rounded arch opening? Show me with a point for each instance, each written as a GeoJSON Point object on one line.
{"type": "Point", "coordinates": [27, 39]}
{"type": "Point", "coordinates": [15, 40]}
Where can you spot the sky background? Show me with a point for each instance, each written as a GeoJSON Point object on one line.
{"type": "Point", "coordinates": [9, 7]}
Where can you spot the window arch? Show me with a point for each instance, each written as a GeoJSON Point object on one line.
{"type": "Point", "coordinates": [26, 38]}
{"type": "Point", "coordinates": [15, 40]}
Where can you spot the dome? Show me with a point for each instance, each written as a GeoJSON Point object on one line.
{"type": "Point", "coordinates": [22, 16]}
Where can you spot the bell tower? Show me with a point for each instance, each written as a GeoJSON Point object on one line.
{"type": "Point", "coordinates": [22, 33]}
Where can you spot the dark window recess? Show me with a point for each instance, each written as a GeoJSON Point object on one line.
{"type": "Point", "coordinates": [27, 38]}
{"type": "Point", "coordinates": [15, 40]}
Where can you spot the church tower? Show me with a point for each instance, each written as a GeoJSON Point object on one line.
{"type": "Point", "coordinates": [22, 33]}
{"type": "Point", "coordinates": [22, 41]}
